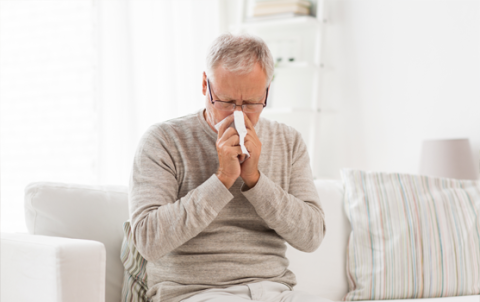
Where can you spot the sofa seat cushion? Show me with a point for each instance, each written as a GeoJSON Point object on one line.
{"type": "Point", "coordinates": [473, 298]}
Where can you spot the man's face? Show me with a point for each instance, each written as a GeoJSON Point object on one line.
{"type": "Point", "coordinates": [230, 87]}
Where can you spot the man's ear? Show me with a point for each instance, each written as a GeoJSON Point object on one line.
{"type": "Point", "coordinates": [204, 83]}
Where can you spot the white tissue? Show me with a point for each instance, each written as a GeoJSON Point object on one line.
{"type": "Point", "coordinates": [239, 125]}
{"type": "Point", "coordinates": [239, 120]}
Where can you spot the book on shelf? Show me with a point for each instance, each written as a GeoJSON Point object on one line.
{"type": "Point", "coordinates": [282, 2]}
{"type": "Point", "coordinates": [262, 10]}
{"type": "Point", "coordinates": [273, 17]}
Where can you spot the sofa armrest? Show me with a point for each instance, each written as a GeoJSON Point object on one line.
{"type": "Point", "coordinates": [51, 269]}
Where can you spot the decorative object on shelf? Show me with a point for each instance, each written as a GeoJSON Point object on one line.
{"type": "Point", "coordinates": [285, 8]}
{"type": "Point", "coordinates": [451, 158]}
{"type": "Point", "coordinates": [285, 49]}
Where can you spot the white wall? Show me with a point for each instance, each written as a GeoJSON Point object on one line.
{"type": "Point", "coordinates": [398, 72]}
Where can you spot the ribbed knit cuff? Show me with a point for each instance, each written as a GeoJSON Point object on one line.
{"type": "Point", "coordinates": [262, 195]}
{"type": "Point", "coordinates": [216, 194]}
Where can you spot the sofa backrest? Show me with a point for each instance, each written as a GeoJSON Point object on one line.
{"type": "Point", "coordinates": [98, 212]}
{"type": "Point", "coordinates": [82, 212]}
{"type": "Point", "coordinates": [323, 272]}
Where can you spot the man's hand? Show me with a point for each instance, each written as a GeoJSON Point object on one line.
{"type": "Point", "coordinates": [228, 150]}
{"type": "Point", "coordinates": [249, 172]}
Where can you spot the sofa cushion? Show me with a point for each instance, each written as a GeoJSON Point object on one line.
{"type": "Point", "coordinates": [474, 298]}
{"type": "Point", "coordinates": [53, 269]}
{"type": "Point", "coordinates": [323, 271]}
{"type": "Point", "coordinates": [98, 213]}
{"type": "Point", "coordinates": [412, 236]}
{"type": "Point", "coordinates": [82, 212]}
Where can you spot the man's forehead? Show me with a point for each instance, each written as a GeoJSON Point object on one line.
{"type": "Point", "coordinates": [234, 89]}
{"type": "Point", "coordinates": [254, 79]}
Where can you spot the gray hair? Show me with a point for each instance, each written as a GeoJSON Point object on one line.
{"type": "Point", "coordinates": [239, 53]}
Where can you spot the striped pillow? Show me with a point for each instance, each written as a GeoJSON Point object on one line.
{"type": "Point", "coordinates": [135, 277]}
{"type": "Point", "coordinates": [412, 236]}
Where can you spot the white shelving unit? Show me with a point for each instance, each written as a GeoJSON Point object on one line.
{"type": "Point", "coordinates": [296, 44]}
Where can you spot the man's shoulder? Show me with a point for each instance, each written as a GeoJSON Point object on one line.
{"type": "Point", "coordinates": [279, 138]}
{"type": "Point", "coordinates": [171, 128]}
{"type": "Point", "coordinates": [189, 120]}
{"type": "Point", "coordinates": [276, 129]}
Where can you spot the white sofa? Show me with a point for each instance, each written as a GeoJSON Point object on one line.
{"type": "Point", "coordinates": [73, 250]}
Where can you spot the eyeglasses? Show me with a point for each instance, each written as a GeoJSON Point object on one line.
{"type": "Point", "coordinates": [230, 107]}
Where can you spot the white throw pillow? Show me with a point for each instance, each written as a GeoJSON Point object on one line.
{"type": "Point", "coordinates": [135, 284]}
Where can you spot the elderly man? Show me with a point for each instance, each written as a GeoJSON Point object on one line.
{"type": "Point", "coordinates": [212, 222]}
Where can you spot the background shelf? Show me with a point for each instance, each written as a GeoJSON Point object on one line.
{"type": "Point", "coordinates": [275, 23]}
{"type": "Point", "coordinates": [297, 65]}
{"type": "Point", "coordinates": [295, 44]}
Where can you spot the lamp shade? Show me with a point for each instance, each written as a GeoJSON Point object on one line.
{"type": "Point", "coordinates": [451, 158]}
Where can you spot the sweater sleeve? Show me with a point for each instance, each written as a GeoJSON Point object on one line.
{"type": "Point", "coordinates": [160, 221]}
{"type": "Point", "coordinates": [296, 215]}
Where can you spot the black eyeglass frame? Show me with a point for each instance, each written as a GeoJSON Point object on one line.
{"type": "Point", "coordinates": [235, 107]}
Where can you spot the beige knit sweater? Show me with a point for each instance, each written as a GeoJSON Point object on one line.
{"type": "Point", "coordinates": [197, 234]}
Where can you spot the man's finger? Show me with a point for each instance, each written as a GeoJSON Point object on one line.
{"type": "Point", "coordinates": [228, 134]}
{"type": "Point", "coordinates": [233, 140]}
{"type": "Point", "coordinates": [250, 146]}
{"type": "Point", "coordinates": [248, 123]}
{"type": "Point", "coordinates": [225, 124]}
{"type": "Point", "coordinates": [236, 151]}
{"type": "Point", "coordinates": [251, 136]}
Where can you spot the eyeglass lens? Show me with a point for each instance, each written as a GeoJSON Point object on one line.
{"type": "Point", "coordinates": [249, 108]}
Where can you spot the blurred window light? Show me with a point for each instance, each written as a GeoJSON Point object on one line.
{"type": "Point", "coordinates": [47, 97]}
{"type": "Point", "coordinates": [81, 82]}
